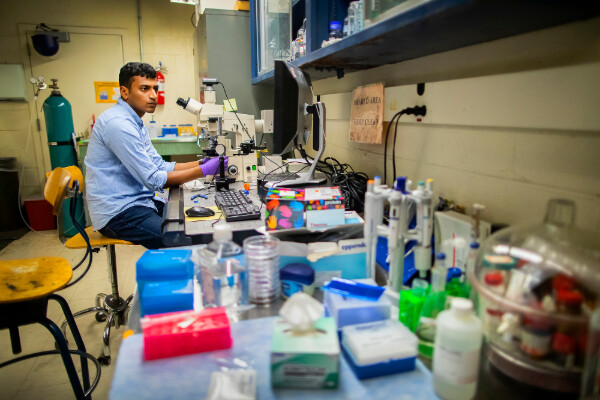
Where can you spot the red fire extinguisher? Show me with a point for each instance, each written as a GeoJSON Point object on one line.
{"type": "Point", "coordinates": [160, 78]}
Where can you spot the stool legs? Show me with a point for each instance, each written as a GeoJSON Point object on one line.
{"type": "Point", "coordinates": [111, 307]}
{"type": "Point", "coordinates": [70, 319]}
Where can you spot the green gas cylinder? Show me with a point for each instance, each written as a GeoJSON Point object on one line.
{"type": "Point", "coordinates": [59, 127]}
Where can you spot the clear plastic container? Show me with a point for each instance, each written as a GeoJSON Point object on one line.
{"type": "Point", "coordinates": [261, 258]}
{"type": "Point", "coordinates": [335, 30]}
{"type": "Point", "coordinates": [552, 283]}
{"type": "Point", "coordinates": [457, 351]}
{"type": "Point", "coordinates": [219, 272]}
{"type": "Point", "coordinates": [154, 129]}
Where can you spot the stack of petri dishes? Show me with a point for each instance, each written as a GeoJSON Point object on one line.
{"type": "Point", "coordinates": [261, 255]}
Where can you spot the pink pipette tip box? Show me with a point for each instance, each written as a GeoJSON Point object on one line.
{"type": "Point", "coordinates": [185, 332]}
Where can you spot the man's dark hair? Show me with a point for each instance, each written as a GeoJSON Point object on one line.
{"type": "Point", "coordinates": [133, 69]}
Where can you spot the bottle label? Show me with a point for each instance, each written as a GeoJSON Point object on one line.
{"type": "Point", "coordinates": [459, 367]}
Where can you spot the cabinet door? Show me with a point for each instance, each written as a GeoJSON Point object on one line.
{"type": "Point", "coordinates": [271, 33]}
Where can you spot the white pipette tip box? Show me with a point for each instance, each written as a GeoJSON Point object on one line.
{"type": "Point", "coordinates": [379, 348]}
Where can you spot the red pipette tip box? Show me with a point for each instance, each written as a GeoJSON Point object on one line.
{"type": "Point", "coordinates": [185, 332]}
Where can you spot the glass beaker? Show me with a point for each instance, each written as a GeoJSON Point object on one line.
{"type": "Point", "coordinates": [261, 255]}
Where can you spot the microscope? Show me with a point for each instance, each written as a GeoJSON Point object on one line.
{"type": "Point", "coordinates": [214, 127]}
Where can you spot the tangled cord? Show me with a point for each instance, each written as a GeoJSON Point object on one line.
{"type": "Point", "coordinates": [352, 184]}
{"type": "Point", "coordinates": [81, 230]}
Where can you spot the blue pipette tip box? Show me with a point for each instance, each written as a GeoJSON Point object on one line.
{"type": "Point", "coordinates": [166, 296]}
{"type": "Point", "coordinates": [164, 265]}
{"type": "Point", "coordinates": [346, 287]}
{"type": "Point", "coordinates": [348, 310]}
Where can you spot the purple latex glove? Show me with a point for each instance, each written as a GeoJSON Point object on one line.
{"type": "Point", "coordinates": [204, 160]}
{"type": "Point", "coordinates": [211, 167]}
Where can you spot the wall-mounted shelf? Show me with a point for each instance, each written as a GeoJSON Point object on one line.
{"type": "Point", "coordinates": [437, 26]}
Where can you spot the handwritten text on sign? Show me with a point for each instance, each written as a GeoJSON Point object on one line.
{"type": "Point", "coordinates": [366, 115]}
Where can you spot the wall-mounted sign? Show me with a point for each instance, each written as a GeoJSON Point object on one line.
{"type": "Point", "coordinates": [366, 115]}
{"type": "Point", "coordinates": [107, 92]}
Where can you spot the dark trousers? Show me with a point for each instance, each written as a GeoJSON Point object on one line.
{"type": "Point", "coordinates": [139, 225]}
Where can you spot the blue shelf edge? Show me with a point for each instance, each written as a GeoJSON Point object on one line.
{"type": "Point", "coordinates": [436, 26]}
{"type": "Point", "coordinates": [267, 77]}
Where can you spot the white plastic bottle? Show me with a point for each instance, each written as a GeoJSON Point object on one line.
{"type": "Point", "coordinates": [220, 274]}
{"type": "Point", "coordinates": [457, 351]}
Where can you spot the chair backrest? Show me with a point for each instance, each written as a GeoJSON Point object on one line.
{"type": "Point", "coordinates": [57, 183]}
{"type": "Point", "coordinates": [56, 188]}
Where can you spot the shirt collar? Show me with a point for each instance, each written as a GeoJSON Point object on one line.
{"type": "Point", "coordinates": [130, 111]}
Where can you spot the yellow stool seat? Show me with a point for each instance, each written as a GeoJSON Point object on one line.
{"type": "Point", "coordinates": [96, 240]}
{"type": "Point", "coordinates": [32, 278]}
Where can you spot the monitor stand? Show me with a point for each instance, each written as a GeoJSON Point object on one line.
{"type": "Point", "coordinates": [309, 178]}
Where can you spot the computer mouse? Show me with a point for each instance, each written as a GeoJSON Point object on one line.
{"type": "Point", "coordinates": [199, 212]}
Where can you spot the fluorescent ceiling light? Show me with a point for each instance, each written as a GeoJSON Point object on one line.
{"type": "Point", "coordinates": [191, 2]}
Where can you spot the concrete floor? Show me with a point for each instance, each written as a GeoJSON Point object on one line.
{"type": "Point", "coordinates": [45, 377]}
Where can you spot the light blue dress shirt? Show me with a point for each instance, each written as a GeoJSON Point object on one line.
{"type": "Point", "coordinates": [122, 167]}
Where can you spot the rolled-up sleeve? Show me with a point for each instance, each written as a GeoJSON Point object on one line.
{"type": "Point", "coordinates": [159, 162]}
{"type": "Point", "coordinates": [124, 140]}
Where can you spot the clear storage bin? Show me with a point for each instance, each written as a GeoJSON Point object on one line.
{"type": "Point", "coordinates": [550, 278]}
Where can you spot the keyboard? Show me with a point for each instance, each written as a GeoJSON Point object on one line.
{"type": "Point", "coordinates": [236, 206]}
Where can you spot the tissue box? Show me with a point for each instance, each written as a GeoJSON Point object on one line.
{"type": "Point", "coordinates": [347, 310]}
{"type": "Point", "coordinates": [167, 296]}
{"type": "Point", "coordinates": [164, 265]}
{"type": "Point", "coordinates": [379, 348]}
{"type": "Point", "coordinates": [305, 361]}
{"type": "Point", "coordinates": [285, 209]}
{"type": "Point", "coordinates": [318, 207]}
{"type": "Point", "coordinates": [188, 332]}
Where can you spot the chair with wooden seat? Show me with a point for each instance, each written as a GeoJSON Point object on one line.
{"type": "Point", "coordinates": [27, 286]}
{"type": "Point", "coordinates": [68, 183]}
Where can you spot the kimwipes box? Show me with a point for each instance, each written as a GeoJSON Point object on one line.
{"type": "Point", "coordinates": [318, 207]}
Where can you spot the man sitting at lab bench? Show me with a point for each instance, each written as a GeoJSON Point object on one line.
{"type": "Point", "coordinates": [123, 170]}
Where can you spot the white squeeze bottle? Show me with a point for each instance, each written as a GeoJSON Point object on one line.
{"type": "Point", "coordinates": [457, 350]}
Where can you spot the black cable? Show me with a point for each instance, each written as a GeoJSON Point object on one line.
{"type": "Point", "coordinates": [217, 220]}
{"type": "Point", "coordinates": [235, 112]}
{"type": "Point", "coordinates": [387, 134]}
{"type": "Point", "coordinates": [394, 148]}
{"type": "Point", "coordinates": [353, 185]}
{"type": "Point", "coordinates": [192, 20]}
{"type": "Point", "coordinates": [72, 206]}
{"type": "Point", "coordinates": [417, 111]}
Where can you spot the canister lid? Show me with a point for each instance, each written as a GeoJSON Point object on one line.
{"type": "Point", "coordinates": [569, 297]}
{"type": "Point", "coordinates": [499, 262]}
{"type": "Point", "coordinates": [298, 272]}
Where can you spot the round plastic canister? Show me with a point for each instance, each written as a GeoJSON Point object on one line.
{"type": "Point", "coordinates": [261, 256]}
{"type": "Point", "coordinates": [297, 277]}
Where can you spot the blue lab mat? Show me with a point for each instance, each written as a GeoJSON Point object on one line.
{"type": "Point", "coordinates": [188, 377]}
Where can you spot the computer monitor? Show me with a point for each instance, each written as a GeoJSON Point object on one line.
{"type": "Point", "coordinates": [293, 112]}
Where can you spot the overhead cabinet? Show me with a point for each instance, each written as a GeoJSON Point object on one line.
{"type": "Point", "coordinates": [409, 30]}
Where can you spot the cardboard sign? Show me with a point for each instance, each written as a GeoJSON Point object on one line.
{"type": "Point", "coordinates": [366, 115]}
{"type": "Point", "coordinates": [107, 92]}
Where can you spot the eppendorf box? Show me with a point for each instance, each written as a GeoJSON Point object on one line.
{"type": "Point", "coordinates": [318, 207]}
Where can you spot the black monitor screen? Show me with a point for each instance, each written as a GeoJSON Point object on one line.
{"type": "Point", "coordinates": [291, 124]}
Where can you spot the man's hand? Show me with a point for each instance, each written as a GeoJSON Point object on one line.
{"type": "Point", "coordinates": [211, 166]}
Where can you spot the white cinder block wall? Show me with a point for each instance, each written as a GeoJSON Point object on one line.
{"type": "Point", "coordinates": [510, 134]}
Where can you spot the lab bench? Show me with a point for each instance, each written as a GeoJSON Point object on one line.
{"type": "Point", "coordinates": [167, 146]}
